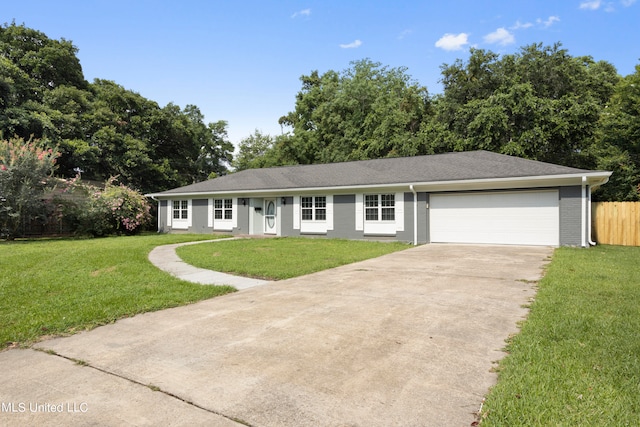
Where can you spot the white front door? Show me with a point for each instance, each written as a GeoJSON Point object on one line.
{"type": "Point", "coordinates": [270, 216]}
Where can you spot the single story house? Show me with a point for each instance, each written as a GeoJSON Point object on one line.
{"type": "Point", "coordinates": [462, 197]}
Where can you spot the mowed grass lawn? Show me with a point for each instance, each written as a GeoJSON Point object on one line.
{"type": "Point", "coordinates": [52, 287]}
{"type": "Point", "coordinates": [576, 360]}
{"type": "Point", "coordinates": [49, 287]}
{"type": "Point", "coordinates": [282, 258]}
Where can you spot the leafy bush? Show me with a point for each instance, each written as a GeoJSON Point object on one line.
{"type": "Point", "coordinates": [25, 176]}
{"type": "Point", "coordinates": [113, 209]}
{"type": "Point", "coordinates": [129, 209]}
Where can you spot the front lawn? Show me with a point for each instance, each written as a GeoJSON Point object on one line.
{"type": "Point", "coordinates": [49, 287]}
{"type": "Point", "coordinates": [282, 258]}
{"type": "Point", "coordinates": [576, 361]}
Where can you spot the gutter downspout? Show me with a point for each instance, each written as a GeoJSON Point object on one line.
{"type": "Point", "coordinates": [586, 214]}
{"type": "Point", "coordinates": [589, 224]}
{"type": "Point", "coordinates": [157, 225]}
{"type": "Point", "coordinates": [415, 215]}
{"type": "Point", "coordinates": [583, 210]}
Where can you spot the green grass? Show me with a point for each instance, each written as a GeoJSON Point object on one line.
{"type": "Point", "coordinates": [50, 287]}
{"type": "Point", "coordinates": [282, 258]}
{"type": "Point", "coordinates": [576, 361]}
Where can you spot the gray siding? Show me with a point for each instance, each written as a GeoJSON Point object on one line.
{"type": "Point", "coordinates": [570, 216]}
{"type": "Point", "coordinates": [286, 217]}
{"type": "Point", "coordinates": [427, 226]}
{"type": "Point", "coordinates": [163, 205]}
{"type": "Point", "coordinates": [200, 210]}
{"type": "Point", "coordinates": [243, 217]}
{"type": "Point", "coordinates": [407, 234]}
{"type": "Point", "coordinates": [344, 218]}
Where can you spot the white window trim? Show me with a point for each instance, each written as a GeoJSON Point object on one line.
{"type": "Point", "coordinates": [181, 224]}
{"type": "Point", "coordinates": [399, 211]}
{"type": "Point", "coordinates": [380, 227]}
{"type": "Point", "coordinates": [210, 213]}
{"type": "Point", "coordinates": [296, 212]}
{"type": "Point", "coordinates": [313, 226]}
{"type": "Point", "coordinates": [223, 224]}
{"type": "Point", "coordinates": [359, 212]}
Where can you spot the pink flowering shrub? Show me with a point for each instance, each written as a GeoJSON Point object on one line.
{"type": "Point", "coordinates": [104, 211]}
{"type": "Point", "coordinates": [130, 210]}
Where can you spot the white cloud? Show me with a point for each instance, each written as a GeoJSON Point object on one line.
{"type": "Point", "coordinates": [521, 25]}
{"type": "Point", "coordinates": [549, 22]}
{"type": "Point", "coordinates": [591, 5]}
{"type": "Point", "coordinates": [304, 12]}
{"type": "Point", "coordinates": [453, 41]}
{"type": "Point", "coordinates": [352, 45]}
{"type": "Point", "coordinates": [404, 34]}
{"type": "Point", "coordinates": [500, 36]}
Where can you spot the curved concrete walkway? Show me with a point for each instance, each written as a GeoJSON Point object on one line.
{"type": "Point", "coordinates": [166, 259]}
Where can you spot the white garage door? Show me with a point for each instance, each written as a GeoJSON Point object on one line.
{"type": "Point", "coordinates": [521, 218]}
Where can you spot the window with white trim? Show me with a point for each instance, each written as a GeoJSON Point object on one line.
{"type": "Point", "coordinates": [313, 208]}
{"type": "Point", "coordinates": [180, 209]}
{"type": "Point", "coordinates": [379, 207]}
{"type": "Point", "coordinates": [223, 208]}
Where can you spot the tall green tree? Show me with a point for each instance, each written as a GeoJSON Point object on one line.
{"type": "Point", "coordinates": [25, 171]}
{"type": "Point", "coordinates": [540, 103]}
{"type": "Point", "coordinates": [101, 128]}
{"type": "Point", "coordinates": [367, 111]}
{"type": "Point", "coordinates": [618, 147]}
{"type": "Point", "coordinates": [258, 150]}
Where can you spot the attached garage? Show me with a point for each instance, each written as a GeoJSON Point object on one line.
{"type": "Point", "coordinates": [518, 217]}
{"type": "Point", "coordinates": [462, 197]}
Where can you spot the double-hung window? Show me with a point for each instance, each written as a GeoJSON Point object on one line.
{"type": "Point", "coordinates": [180, 209]}
{"type": "Point", "coordinates": [380, 207]}
{"type": "Point", "coordinates": [223, 209]}
{"type": "Point", "coordinates": [221, 214]}
{"type": "Point", "coordinates": [179, 214]}
{"type": "Point", "coordinates": [313, 214]}
{"type": "Point", "coordinates": [314, 208]}
{"type": "Point", "coordinates": [380, 214]}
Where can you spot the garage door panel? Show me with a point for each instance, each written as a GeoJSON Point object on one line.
{"type": "Point", "coordinates": [530, 218]}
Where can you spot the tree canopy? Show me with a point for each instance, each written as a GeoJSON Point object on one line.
{"type": "Point", "coordinates": [367, 111]}
{"type": "Point", "coordinates": [101, 128]}
{"type": "Point", "coordinates": [539, 103]}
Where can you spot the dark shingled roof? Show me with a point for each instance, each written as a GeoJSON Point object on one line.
{"type": "Point", "coordinates": [457, 166]}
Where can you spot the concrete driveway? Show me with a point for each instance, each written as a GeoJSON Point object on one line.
{"type": "Point", "coordinates": [407, 339]}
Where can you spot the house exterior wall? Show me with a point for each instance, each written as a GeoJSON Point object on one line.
{"type": "Point", "coordinates": [162, 216]}
{"type": "Point", "coordinates": [286, 217]}
{"type": "Point", "coordinates": [199, 211]}
{"type": "Point", "coordinates": [425, 223]}
{"type": "Point", "coordinates": [570, 216]}
{"type": "Point", "coordinates": [243, 217]}
{"type": "Point", "coordinates": [344, 222]}
{"type": "Point", "coordinates": [250, 218]}
{"type": "Point", "coordinates": [408, 234]}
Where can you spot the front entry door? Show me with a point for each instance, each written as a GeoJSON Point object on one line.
{"type": "Point", "coordinates": [270, 216]}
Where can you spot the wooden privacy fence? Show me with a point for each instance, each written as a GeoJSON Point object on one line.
{"type": "Point", "coordinates": [616, 223]}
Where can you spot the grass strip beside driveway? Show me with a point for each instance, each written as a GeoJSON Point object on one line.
{"type": "Point", "coordinates": [282, 258]}
{"type": "Point", "coordinates": [576, 360]}
{"type": "Point", "coordinates": [49, 287]}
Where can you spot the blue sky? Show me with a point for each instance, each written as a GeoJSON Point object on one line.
{"type": "Point", "coordinates": [241, 61]}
